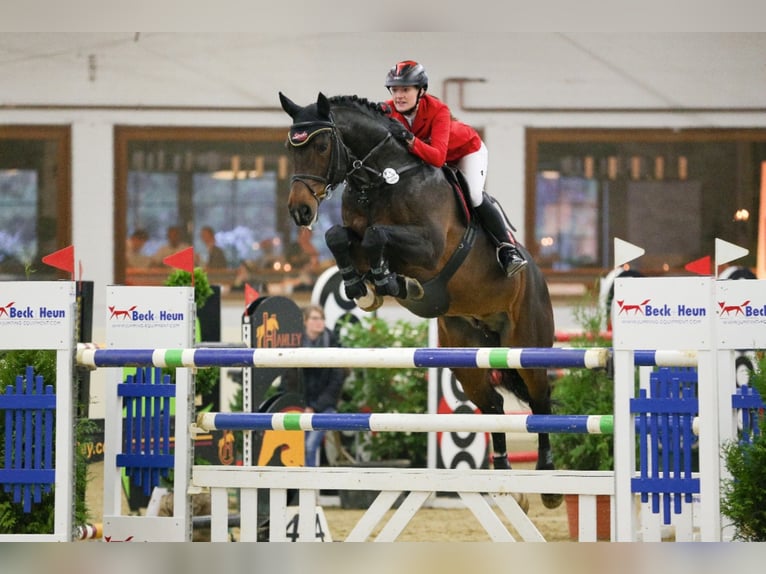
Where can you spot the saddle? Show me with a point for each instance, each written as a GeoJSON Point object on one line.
{"type": "Point", "coordinates": [460, 187]}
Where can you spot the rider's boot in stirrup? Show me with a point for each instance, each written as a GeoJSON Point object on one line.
{"type": "Point", "coordinates": [495, 223]}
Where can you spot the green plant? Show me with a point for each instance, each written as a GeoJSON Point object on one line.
{"type": "Point", "coordinates": [40, 520]}
{"type": "Point", "coordinates": [387, 390]}
{"type": "Point", "coordinates": [743, 496]}
{"type": "Point", "coordinates": [205, 379]}
{"type": "Point", "coordinates": [202, 289]}
{"type": "Point", "coordinates": [585, 392]}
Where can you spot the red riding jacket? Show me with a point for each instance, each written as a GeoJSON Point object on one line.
{"type": "Point", "coordinates": [439, 137]}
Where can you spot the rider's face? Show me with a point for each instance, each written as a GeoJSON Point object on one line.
{"type": "Point", "coordinates": [405, 97]}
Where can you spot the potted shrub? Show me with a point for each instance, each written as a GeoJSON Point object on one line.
{"type": "Point", "coordinates": [383, 391]}
{"type": "Point", "coordinates": [743, 496]}
{"type": "Point", "coordinates": [585, 392]}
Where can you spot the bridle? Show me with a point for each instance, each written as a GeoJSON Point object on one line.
{"type": "Point", "coordinates": [336, 169]}
{"type": "Point", "coordinates": [362, 176]}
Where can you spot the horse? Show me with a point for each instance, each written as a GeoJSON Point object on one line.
{"type": "Point", "coordinates": [408, 234]}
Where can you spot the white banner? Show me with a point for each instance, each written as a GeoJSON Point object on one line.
{"type": "Point", "coordinates": [741, 311]}
{"type": "Point", "coordinates": [37, 314]}
{"type": "Point", "coordinates": [662, 313]}
{"type": "Point", "coordinates": [149, 317]}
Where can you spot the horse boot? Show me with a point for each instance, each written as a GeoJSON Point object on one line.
{"type": "Point", "coordinates": [494, 222]}
{"type": "Point", "coordinates": [385, 281]}
{"type": "Point", "coordinates": [374, 244]}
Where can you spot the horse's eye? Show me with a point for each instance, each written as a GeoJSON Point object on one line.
{"type": "Point", "coordinates": [322, 147]}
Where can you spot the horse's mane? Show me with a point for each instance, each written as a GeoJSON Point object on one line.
{"type": "Point", "coordinates": [375, 110]}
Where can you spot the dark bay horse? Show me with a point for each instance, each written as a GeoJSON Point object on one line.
{"type": "Point", "coordinates": [406, 233]}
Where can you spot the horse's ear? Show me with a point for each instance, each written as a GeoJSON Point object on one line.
{"type": "Point", "coordinates": [323, 106]}
{"type": "Point", "coordinates": [289, 106]}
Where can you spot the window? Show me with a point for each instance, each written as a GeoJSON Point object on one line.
{"type": "Point", "coordinates": [35, 203]}
{"type": "Point", "coordinates": [235, 181]}
{"type": "Point", "coordinates": [670, 192]}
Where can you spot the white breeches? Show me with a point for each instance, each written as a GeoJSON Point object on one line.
{"type": "Point", "coordinates": [474, 169]}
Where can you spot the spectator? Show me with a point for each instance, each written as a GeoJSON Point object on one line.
{"type": "Point", "coordinates": [134, 252]}
{"type": "Point", "coordinates": [174, 245]}
{"type": "Point", "coordinates": [216, 258]}
{"type": "Point", "coordinates": [321, 386]}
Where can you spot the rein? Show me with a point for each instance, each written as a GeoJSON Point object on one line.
{"type": "Point", "coordinates": [364, 176]}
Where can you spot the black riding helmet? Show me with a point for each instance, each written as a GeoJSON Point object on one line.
{"type": "Point", "coordinates": [407, 73]}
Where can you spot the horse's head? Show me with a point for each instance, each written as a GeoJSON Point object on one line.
{"type": "Point", "coordinates": [318, 157]}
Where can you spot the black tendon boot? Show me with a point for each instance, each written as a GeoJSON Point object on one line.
{"type": "Point", "coordinates": [493, 220]}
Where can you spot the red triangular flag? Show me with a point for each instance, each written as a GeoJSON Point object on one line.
{"type": "Point", "coordinates": [62, 259]}
{"type": "Point", "coordinates": [184, 260]}
{"type": "Point", "coordinates": [701, 266]}
{"type": "Point", "coordinates": [250, 295]}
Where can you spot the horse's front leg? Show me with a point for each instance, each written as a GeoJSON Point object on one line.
{"type": "Point", "coordinates": [374, 244]}
{"type": "Point", "coordinates": [381, 240]}
{"type": "Point", "coordinates": [339, 240]}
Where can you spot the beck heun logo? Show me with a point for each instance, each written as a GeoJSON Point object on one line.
{"type": "Point", "coordinates": [133, 314]}
{"type": "Point", "coordinates": [744, 310]}
{"type": "Point", "coordinates": [120, 313]}
{"type": "Point", "coordinates": [4, 308]}
{"type": "Point", "coordinates": [636, 309]}
{"type": "Point", "coordinates": [735, 309]}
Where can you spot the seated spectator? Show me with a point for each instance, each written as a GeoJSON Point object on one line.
{"type": "Point", "coordinates": [174, 245]}
{"type": "Point", "coordinates": [134, 251]}
{"type": "Point", "coordinates": [216, 258]}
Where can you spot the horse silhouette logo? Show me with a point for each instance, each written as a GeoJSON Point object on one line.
{"type": "Point", "coordinates": [729, 309]}
{"type": "Point", "coordinates": [636, 309]}
{"type": "Point", "coordinates": [266, 332]}
{"type": "Point", "coordinates": [4, 308]}
{"type": "Point", "coordinates": [120, 313]}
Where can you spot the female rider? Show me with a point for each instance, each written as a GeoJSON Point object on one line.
{"type": "Point", "coordinates": [431, 133]}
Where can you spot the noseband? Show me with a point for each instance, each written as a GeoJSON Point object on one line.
{"type": "Point", "coordinates": [336, 172]}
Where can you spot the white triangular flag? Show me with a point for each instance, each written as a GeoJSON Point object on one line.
{"type": "Point", "coordinates": [725, 252]}
{"type": "Point", "coordinates": [624, 252]}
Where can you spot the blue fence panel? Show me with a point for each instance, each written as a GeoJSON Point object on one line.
{"type": "Point", "coordinates": [146, 455]}
{"type": "Point", "coordinates": [666, 439]}
{"type": "Point", "coordinates": [28, 470]}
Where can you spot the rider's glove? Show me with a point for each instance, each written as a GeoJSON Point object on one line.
{"type": "Point", "coordinates": [402, 134]}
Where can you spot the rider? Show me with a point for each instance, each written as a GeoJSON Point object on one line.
{"type": "Point", "coordinates": [435, 136]}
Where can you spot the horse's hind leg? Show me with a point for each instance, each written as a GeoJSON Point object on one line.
{"type": "Point", "coordinates": [532, 386]}
{"type": "Point", "coordinates": [339, 241]}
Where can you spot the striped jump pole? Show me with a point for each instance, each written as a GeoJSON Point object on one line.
{"type": "Point", "coordinates": [665, 358]}
{"type": "Point", "coordinates": [399, 422]}
{"type": "Point", "coordinates": [403, 422]}
{"type": "Point", "coordinates": [389, 358]}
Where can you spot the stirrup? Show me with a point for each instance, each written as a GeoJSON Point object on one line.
{"type": "Point", "coordinates": [510, 259]}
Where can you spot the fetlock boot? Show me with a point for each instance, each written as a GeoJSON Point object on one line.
{"type": "Point", "coordinates": [495, 223]}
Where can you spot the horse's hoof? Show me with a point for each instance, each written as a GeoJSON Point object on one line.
{"type": "Point", "coordinates": [413, 289]}
{"type": "Point", "coordinates": [370, 301]}
{"type": "Point", "coordinates": [552, 500]}
{"type": "Point", "coordinates": [522, 500]}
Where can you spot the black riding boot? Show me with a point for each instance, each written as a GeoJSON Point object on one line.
{"type": "Point", "coordinates": [493, 220]}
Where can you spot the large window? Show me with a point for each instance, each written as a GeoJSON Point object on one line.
{"type": "Point", "coordinates": [35, 212]}
{"type": "Point", "coordinates": [234, 181]}
{"type": "Point", "coordinates": [670, 192]}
